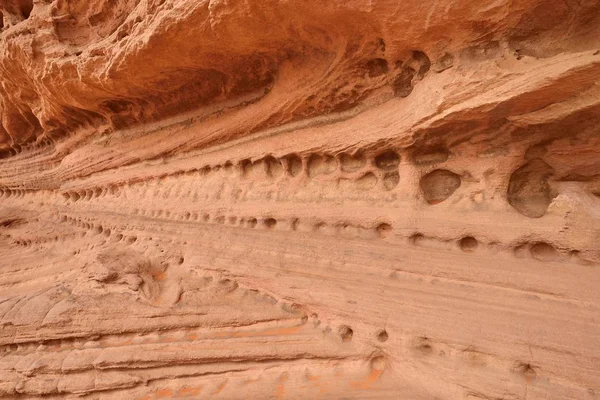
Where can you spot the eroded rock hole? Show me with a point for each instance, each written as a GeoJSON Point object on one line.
{"type": "Point", "coordinates": [376, 67]}
{"type": "Point", "coordinates": [543, 251]}
{"type": "Point", "coordinates": [402, 85]}
{"type": "Point", "coordinates": [294, 165]}
{"type": "Point", "coordinates": [294, 224]}
{"type": "Point", "coordinates": [387, 161]}
{"type": "Point", "coordinates": [382, 335]}
{"type": "Point", "coordinates": [423, 345]}
{"type": "Point", "coordinates": [384, 230]}
{"type": "Point", "coordinates": [468, 244]}
{"type": "Point", "coordinates": [528, 189]}
{"type": "Point", "coordinates": [228, 167]}
{"type": "Point", "coordinates": [351, 163]}
{"type": "Point", "coordinates": [416, 239]}
{"type": "Point", "coordinates": [273, 166]}
{"type": "Point", "coordinates": [391, 180]}
{"type": "Point", "coordinates": [255, 170]}
{"type": "Point", "coordinates": [367, 181]}
{"type": "Point", "coordinates": [321, 227]}
{"type": "Point", "coordinates": [26, 6]}
{"type": "Point", "coordinates": [321, 165]}
{"type": "Point", "coordinates": [438, 185]}
{"type": "Point", "coordinates": [414, 69]}
{"type": "Point", "coordinates": [207, 169]}
{"type": "Point", "coordinates": [270, 223]}
{"type": "Point", "coordinates": [421, 63]}
{"type": "Point", "coordinates": [430, 156]}
{"type": "Point", "coordinates": [445, 62]}
{"type": "Point", "coordinates": [346, 333]}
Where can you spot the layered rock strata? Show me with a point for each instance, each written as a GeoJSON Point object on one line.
{"type": "Point", "coordinates": [300, 199]}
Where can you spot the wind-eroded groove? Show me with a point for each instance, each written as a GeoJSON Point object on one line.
{"type": "Point", "coordinates": [111, 336]}
{"type": "Point", "coordinates": [173, 372]}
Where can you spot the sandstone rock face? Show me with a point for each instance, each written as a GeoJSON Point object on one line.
{"type": "Point", "coordinates": [256, 199]}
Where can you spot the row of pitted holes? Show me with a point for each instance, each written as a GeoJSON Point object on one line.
{"type": "Point", "coordinates": [291, 163]}
{"type": "Point", "coordinates": [387, 162]}
{"type": "Point", "coordinates": [542, 251]}
{"type": "Point", "coordinates": [468, 244]}
{"type": "Point", "coordinates": [86, 194]}
{"type": "Point", "coordinates": [269, 223]}
{"type": "Point", "coordinates": [14, 192]}
{"type": "Point", "coordinates": [98, 229]}
{"type": "Point", "coordinates": [539, 250]}
{"type": "Point", "coordinates": [29, 242]}
{"type": "Point", "coordinates": [346, 333]}
{"type": "Point", "coordinates": [294, 165]}
{"type": "Point", "coordinates": [423, 344]}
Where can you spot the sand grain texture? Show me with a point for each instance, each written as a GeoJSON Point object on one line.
{"type": "Point", "coordinates": [270, 199]}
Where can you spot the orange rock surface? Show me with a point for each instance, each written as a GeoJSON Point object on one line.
{"type": "Point", "coordinates": [271, 199]}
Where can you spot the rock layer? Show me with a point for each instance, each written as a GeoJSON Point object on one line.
{"type": "Point", "coordinates": [275, 199]}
